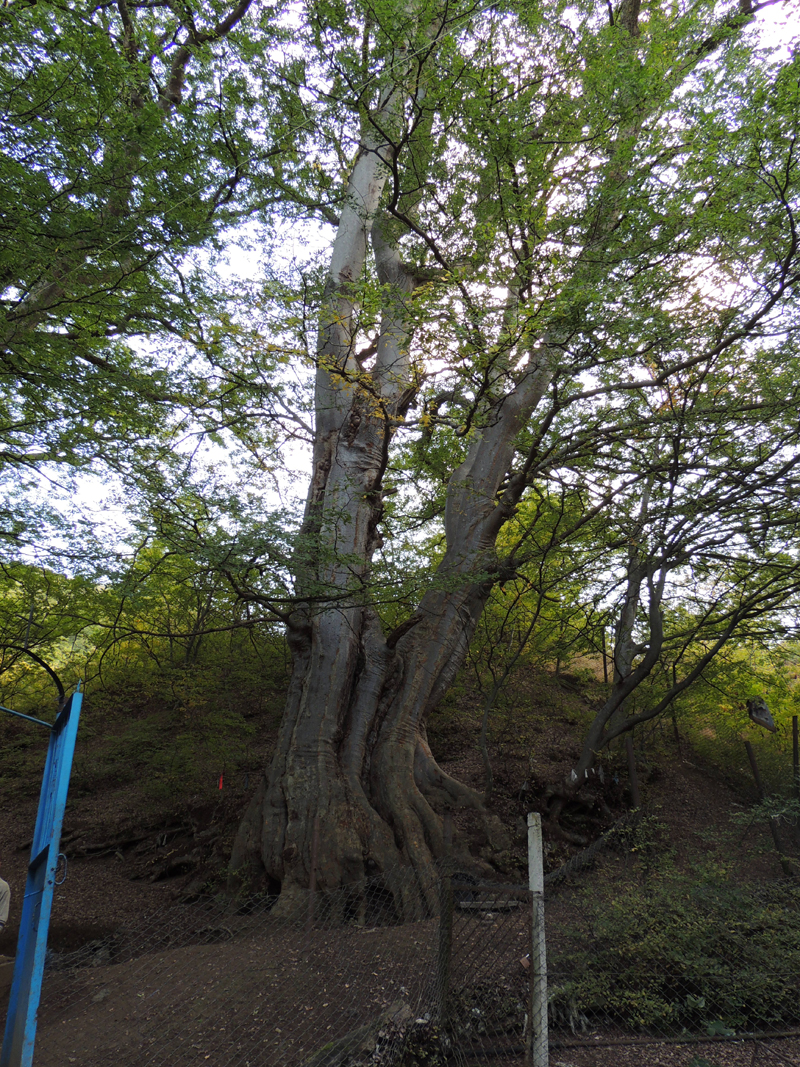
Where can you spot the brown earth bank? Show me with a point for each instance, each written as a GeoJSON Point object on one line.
{"type": "Point", "coordinates": [150, 963]}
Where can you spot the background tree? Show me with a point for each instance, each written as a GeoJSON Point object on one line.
{"type": "Point", "coordinates": [708, 538]}
{"type": "Point", "coordinates": [133, 136]}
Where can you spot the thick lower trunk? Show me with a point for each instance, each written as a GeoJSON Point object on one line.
{"type": "Point", "coordinates": [359, 760]}
{"type": "Point", "coordinates": [352, 748]}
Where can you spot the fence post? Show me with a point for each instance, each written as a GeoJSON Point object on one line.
{"type": "Point", "coordinates": [538, 1049]}
{"type": "Point", "coordinates": [796, 771]}
{"type": "Point", "coordinates": [445, 920]}
{"type": "Point", "coordinates": [633, 777]}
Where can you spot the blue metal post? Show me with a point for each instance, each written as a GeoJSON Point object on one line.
{"type": "Point", "coordinates": [26, 986]}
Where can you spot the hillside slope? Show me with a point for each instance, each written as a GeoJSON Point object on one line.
{"type": "Point", "coordinates": [131, 847]}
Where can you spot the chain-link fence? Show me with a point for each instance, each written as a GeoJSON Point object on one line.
{"type": "Point", "coordinates": [347, 984]}
{"type": "Point", "coordinates": [669, 955]}
{"type": "Point", "coordinates": [663, 956]}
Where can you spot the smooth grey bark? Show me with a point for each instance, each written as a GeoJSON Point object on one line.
{"type": "Point", "coordinates": [352, 746]}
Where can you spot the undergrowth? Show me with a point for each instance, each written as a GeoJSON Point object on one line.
{"type": "Point", "coordinates": [678, 952]}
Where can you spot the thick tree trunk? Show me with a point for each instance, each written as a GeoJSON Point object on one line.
{"type": "Point", "coordinates": [353, 750]}
{"type": "Point", "coordinates": [352, 746]}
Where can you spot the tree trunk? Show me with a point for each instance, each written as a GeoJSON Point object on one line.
{"type": "Point", "coordinates": [352, 747]}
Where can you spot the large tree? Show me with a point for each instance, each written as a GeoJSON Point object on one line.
{"type": "Point", "coordinates": [563, 252]}
{"type": "Point", "coordinates": [545, 208]}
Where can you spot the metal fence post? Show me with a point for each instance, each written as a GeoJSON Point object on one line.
{"type": "Point", "coordinates": [538, 1048]}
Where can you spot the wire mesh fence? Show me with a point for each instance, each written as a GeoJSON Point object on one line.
{"type": "Point", "coordinates": [246, 985]}
{"type": "Point", "coordinates": [666, 957]}
{"type": "Point", "coordinates": [670, 955]}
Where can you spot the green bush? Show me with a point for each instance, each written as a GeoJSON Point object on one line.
{"type": "Point", "coordinates": [178, 682]}
{"type": "Point", "coordinates": [712, 714]}
{"type": "Point", "coordinates": [675, 953]}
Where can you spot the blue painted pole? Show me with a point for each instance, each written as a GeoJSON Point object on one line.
{"type": "Point", "coordinates": [26, 986]}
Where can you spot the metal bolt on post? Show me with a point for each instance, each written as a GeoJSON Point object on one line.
{"type": "Point", "coordinates": [538, 1047]}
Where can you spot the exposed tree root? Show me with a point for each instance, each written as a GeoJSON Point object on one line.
{"type": "Point", "coordinates": [586, 858]}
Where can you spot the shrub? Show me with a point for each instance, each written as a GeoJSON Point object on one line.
{"type": "Point", "coordinates": [676, 953]}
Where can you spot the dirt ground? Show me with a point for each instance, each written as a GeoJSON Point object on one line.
{"type": "Point", "coordinates": [249, 989]}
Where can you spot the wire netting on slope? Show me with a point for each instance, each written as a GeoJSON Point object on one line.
{"type": "Point", "coordinates": [715, 731]}
{"type": "Point", "coordinates": [241, 986]}
{"type": "Point", "coordinates": [668, 957]}
{"type": "Point", "coordinates": [675, 954]}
